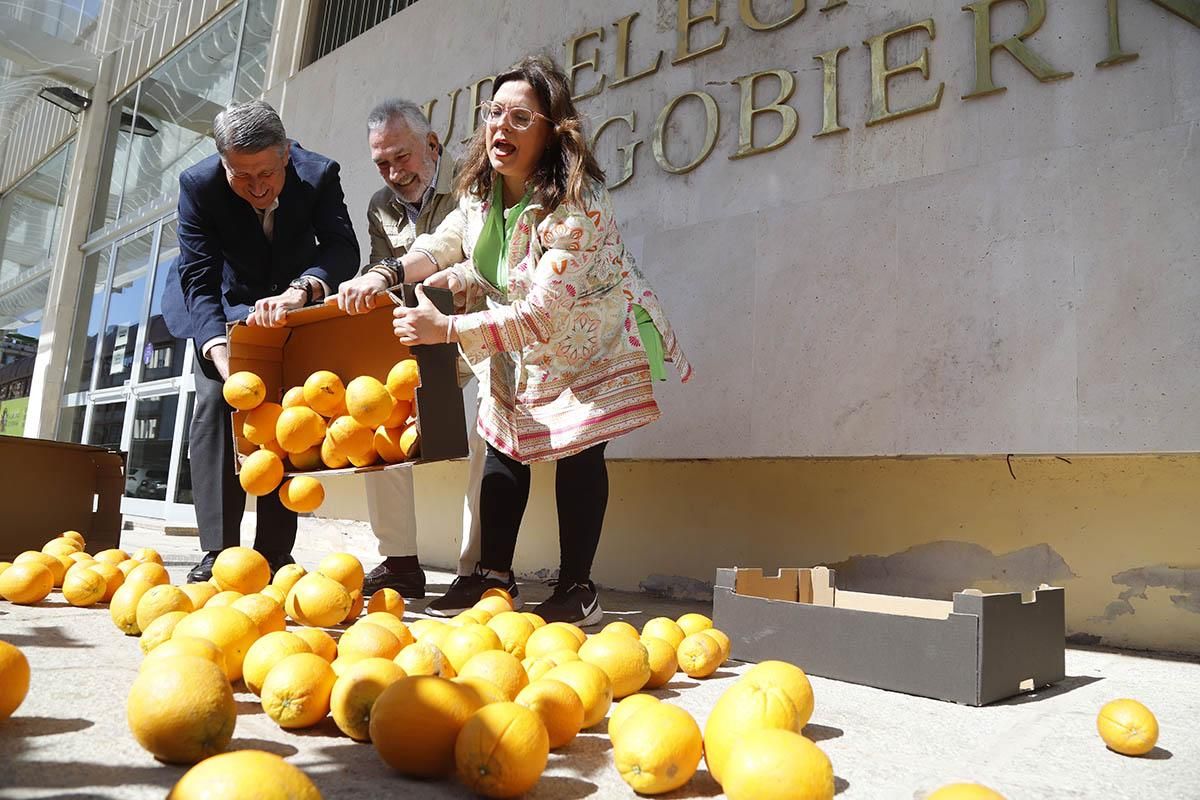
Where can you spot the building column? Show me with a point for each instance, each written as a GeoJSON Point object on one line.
{"type": "Point", "coordinates": [62, 301]}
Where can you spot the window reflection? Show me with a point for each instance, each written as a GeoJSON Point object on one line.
{"type": "Point", "coordinates": [162, 356]}
{"type": "Point", "coordinates": [124, 312]}
{"type": "Point", "coordinates": [150, 447]}
{"type": "Point", "coordinates": [82, 354]}
{"type": "Point", "coordinates": [108, 419]}
{"type": "Point", "coordinates": [183, 487]}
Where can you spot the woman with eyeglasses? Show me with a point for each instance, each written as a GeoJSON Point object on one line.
{"type": "Point", "coordinates": [561, 327]}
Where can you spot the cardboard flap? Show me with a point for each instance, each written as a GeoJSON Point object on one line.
{"type": "Point", "coordinates": [783, 586]}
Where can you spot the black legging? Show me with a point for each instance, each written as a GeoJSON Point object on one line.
{"type": "Point", "coordinates": [581, 492]}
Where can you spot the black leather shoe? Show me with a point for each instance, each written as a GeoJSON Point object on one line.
{"type": "Point", "coordinates": [278, 561]}
{"type": "Point", "coordinates": [410, 583]}
{"type": "Point", "coordinates": [203, 571]}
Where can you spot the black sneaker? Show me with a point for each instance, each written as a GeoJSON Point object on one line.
{"type": "Point", "coordinates": [409, 583]}
{"type": "Point", "coordinates": [278, 561]}
{"type": "Point", "coordinates": [203, 571]}
{"type": "Point", "coordinates": [574, 602]}
{"type": "Point", "coordinates": [466, 591]}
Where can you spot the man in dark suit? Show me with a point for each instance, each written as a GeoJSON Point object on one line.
{"type": "Point", "coordinates": [263, 229]}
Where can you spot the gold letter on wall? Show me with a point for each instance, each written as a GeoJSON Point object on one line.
{"type": "Point", "coordinates": [746, 8]}
{"type": "Point", "coordinates": [712, 122]}
{"type": "Point", "coordinates": [476, 90]}
{"type": "Point", "coordinates": [787, 114]}
{"type": "Point", "coordinates": [881, 73]}
{"type": "Point", "coordinates": [622, 75]}
{"type": "Point", "coordinates": [832, 4]}
{"type": "Point", "coordinates": [628, 151]}
{"type": "Point", "coordinates": [1039, 67]}
{"type": "Point", "coordinates": [683, 26]}
{"type": "Point", "coordinates": [1185, 9]}
{"type": "Point", "coordinates": [428, 109]}
{"type": "Point", "coordinates": [829, 65]}
{"type": "Point", "coordinates": [574, 64]}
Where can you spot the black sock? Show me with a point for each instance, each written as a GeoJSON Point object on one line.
{"type": "Point", "coordinates": [401, 564]}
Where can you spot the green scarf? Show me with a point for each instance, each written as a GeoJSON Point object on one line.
{"type": "Point", "coordinates": [491, 249]}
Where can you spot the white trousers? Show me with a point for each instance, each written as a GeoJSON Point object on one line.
{"type": "Point", "coordinates": [391, 506]}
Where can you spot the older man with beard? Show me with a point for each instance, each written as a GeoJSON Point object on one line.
{"type": "Point", "coordinates": [416, 197]}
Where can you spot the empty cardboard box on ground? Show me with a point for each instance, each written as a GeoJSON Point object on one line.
{"type": "Point", "coordinates": [326, 338]}
{"type": "Point", "coordinates": [50, 487]}
{"type": "Point", "coordinates": [975, 649]}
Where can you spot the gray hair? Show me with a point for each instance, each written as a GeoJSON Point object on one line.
{"type": "Point", "coordinates": [249, 127]}
{"type": "Point", "coordinates": [395, 108]}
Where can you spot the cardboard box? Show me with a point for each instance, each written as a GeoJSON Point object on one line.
{"type": "Point", "coordinates": [324, 337]}
{"type": "Point", "coordinates": [974, 649]}
{"type": "Point", "coordinates": [50, 487]}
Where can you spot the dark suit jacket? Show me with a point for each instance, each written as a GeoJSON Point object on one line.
{"type": "Point", "coordinates": [225, 261]}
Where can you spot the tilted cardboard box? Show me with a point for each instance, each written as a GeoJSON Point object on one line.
{"type": "Point", "coordinates": [324, 337]}
{"type": "Point", "coordinates": [50, 487]}
{"type": "Point", "coordinates": [975, 649]}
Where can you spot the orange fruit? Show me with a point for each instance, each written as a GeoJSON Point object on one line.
{"type": "Point", "coordinates": [259, 425]}
{"type": "Point", "coordinates": [403, 379]}
{"type": "Point", "coordinates": [658, 748]}
{"type": "Point", "coordinates": [266, 614]}
{"type": "Point", "coordinates": [423, 658]}
{"type": "Point", "coordinates": [324, 392]}
{"type": "Point", "coordinates": [387, 444]}
{"type": "Point", "coordinates": [663, 663]}
{"type": "Point", "coordinates": [622, 627]}
{"type": "Point", "coordinates": [464, 642]}
{"type": "Point", "coordinates": [502, 750]}
{"type": "Point", "coordinates": [536, 668]}
{"type": "Point", "coordinates": [547, 639]}
{"type": "Point", "coordinates": [1125, 725]}
{"type": "Point", "coordinates": [296, 691]}
{"type": "Point", "coordinates": [626, 709]}
{"type": "Point", "coordinates": [331, 457]}
{"type": "Point", "coordinates": [410, 441]}
{"type": "Point", "coordinates": [200, 593]}
{"type": "Point", "coordinates": [185, 646]}
{"type": "Point", "coordinates": [159, 631]}
{"type": "Point", "coordinates": [261, 473]}
{"type": "Point", "coordinates": [699, 655]}
{"type": "Point", "coordinates": [475, 615]}
{"type": "Point", "coordinates": [321, 642]}
{"type": "Point", "coordinates": [622, 657]}
{"type": "Point", "coordinates": [227, 628]}
{"type": "Point", "coordinates": [355, 692]}
{"type": "Point", "coordinates": [742, 708]}
{"type": "Point", "coordinates": [83, 586]}
{"type": "Point", "coordinates": [493, 605]}
{"type": "Point", "coordinates": [266, 652]}
{"type": "Point", "coordinates": [275, 593]}
{"type": "Point", "coordinates": [148, 554]}
{"type": "Point", "coordinates": [666, 629]}
{"type": "Point", "coordinates": [293, 397]}
{"type": "Point", "coordinates": [364, 640]}
{"type": "Point", "coordinates": [123, 607]}
{"type": "Point", "coordinates": [402, 410]}
{"type": "Point", "coordinates": [112, 575]}
{"type": "Point", "coordinates": [965, 791]}
{"type": "Point", "coordinates": [773, 764]}
{"type": "Point", "coordinates": [159, 600]}
{"type": "Point", "coordinates": [244, 390]}
{"type": "Point", "coordinates": [155, 574]}
{"type": "Point", "coordinates": [488, 692]}
{"type": "Point", "coordinates": [343, 568]}
{"type": "Point", "coordinates": [128, 566]}
{"type": "Point", "coordinates": [75, 536]}
{"type": "Point", "coordinates": [693, 623]}
{"type": "Point", "coordinates": [365, 459]}
{"type": "Point", "coordinates": [514, 631]}
{"type": "Point", "coordinates": [58, 570]}
{"type": "Point", "coordinates": [387, 600]}
{"type": "Point", "coordinates": [299, 429]}
{"type": "Point", "coordinates": [244, 774]}
{"type": "Point", "coordinates": [302, 494]}
{"type": "Point", "coordinates": [368, 401]}
{"type": "Point", "coordinates": [317, 601]}
{"type": "Point", "coordinates": [14, 679]}
{"type": "Point", "coordinates": [181, 709]}
{"type": "Point", "coordinates": [274, 447]}
{"type": "Point", "coordinates": [501, 668]}
{"type": "Point", "coordinates": [225, 598]}
{"type": "Point", "coordinates": [537, 621]}
{"type": "Point", "coordinates": [386, 620]}
{"type": "Point", "coordinates": [356, 606]}
{"type": "Point", "coordinates": [112, 556]}
{"type": "Point", "coordinates": [424, 627]}
{"type": "Point", "coordinates": [415, 722]}
{"type": "Point", "coordinates": [722, 640]}
{"type": "Point", "coordinates": [286, 577]}
{"type": "Point", "coordinates": [559, 707]}
{"type": "Point", "coordinates": [241, 569]}
{"type": "Point", "coordinates": [788, 677]}
{"type": "Point", "coordinates": [61, 548]}
{"type": "Point", "coordinates": [307, 459]}
{"type": "Point", "coordinates": [591, 684]}
{"type": "Point", "coordinates": [350, 437]}
{"type": "Point", "coordinates": [77, 557]}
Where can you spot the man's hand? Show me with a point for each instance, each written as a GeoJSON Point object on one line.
{"type": "Point", "coordinates": [270, 311]}
{"type": "Point", "coordinates": [360, 295]}
{"type": "Point", "coordinates": [219, 353]}
{"type": "Point", "coordinates": [421, 325]}
{"type": "Point", "coordinates": [448, 279]}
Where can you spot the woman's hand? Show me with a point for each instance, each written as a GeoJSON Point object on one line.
{"type": "Point", "coordinates": [450, 279]}
{"type": "Point", "coordinates": [421, 325]}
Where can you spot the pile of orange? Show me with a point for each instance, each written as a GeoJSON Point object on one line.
{"type": "Point", "coordinates": [324, 423]}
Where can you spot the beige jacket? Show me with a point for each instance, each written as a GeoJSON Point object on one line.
{"type": "Point", "coordinates": [392, 234]}
{"type": "Point", "coordinates": [558, 351]}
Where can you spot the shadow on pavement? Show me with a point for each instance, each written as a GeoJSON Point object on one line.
{"type": "Point", "coordinates": [43, 775]}
{"type": "Point", "coordinates": [820, 733]}
{"type": "Point", "coordinates": [41, 726]}
{"type": "Point", "coordinates": [560, 787]}
{"type": "Point", "coordinates": [266, 745]}
{"type": "Point", "coordinates": [1067, 684]}
{"type": "Point", "coordinates": [840, 785]}
{"type": "Point", "coordinates": [45, 636]}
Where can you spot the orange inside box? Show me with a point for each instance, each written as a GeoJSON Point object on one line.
{"type": "Point", "coordinates": [324, 337]}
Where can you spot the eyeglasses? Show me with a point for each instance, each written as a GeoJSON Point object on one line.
{"type": "Point", "coordinates": [518, 116]}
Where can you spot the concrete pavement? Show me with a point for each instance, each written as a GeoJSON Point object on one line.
{"type": "Point", "coordinates": [69, 739]}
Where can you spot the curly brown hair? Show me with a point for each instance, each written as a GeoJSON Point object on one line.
{"type": "Point", "coordinates": [567, 167]}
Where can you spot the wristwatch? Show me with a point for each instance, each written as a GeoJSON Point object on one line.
{"type": "Point", "coordinates": [306, 283]}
